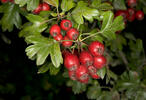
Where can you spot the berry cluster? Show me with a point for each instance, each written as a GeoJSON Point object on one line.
{"type": "Point", "coordinates": [71, 33]}
{"type": "Point", "coordinates": [42, 7]}
{"type": "Point", "coordinates": [82, 66]}
{"type": "Point", "coordinates": [130, 14]}
{"type": "Point", "coordinates": [5, 1]}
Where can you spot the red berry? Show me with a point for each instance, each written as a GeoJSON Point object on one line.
{"type": "Point", "coordinates": [45, 7]}
{"type": "Point", "coordinates": [99, 61]}
{"type": "Point", "coordinates": [139, 15]}
{"type": "Point", "coordinates": [65, 52]}
{"type": "Point", "coordinates": [72, 34]}
{"type": "Point", "coordinates": [4, 1]}
{"type": "Point", "coordinates": [86, 58]}
{"type": "Point", "coordinates": [71, 62]}
{"type": "Point", "coordinates": [11, 1]}
{"type": "Point", "coordinates": [66, 24]}
{"type": "Point", "coordinates": [85, 81]}
{"type": "Point", "coordinates": [82, 73]}
{"type": "Point", "coordinates": [93, 72]}
{"type": "Point", "coordinates": [55, 30]}
{"type": "Point", "coordinates": [58, 37]}
{"type": "Point", "coordinates": [67, 43]}
{"type": "Point", "coordinates": [131, 14]}
{"type": "Point", "coordinates": [131, 3]}
{"type": "Point", "coordinates": [76, 52]}
{"type": "Point", "coordinates": [38, 9]}
{"type": "Point", "coordinates": [96, 48]}
{"type": "Point", "coordinates": [123, 13]}
{"type": "Point", "coordinates": [72, 75]}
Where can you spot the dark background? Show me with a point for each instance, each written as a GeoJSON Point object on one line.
{"type": "Point", "coordinates": [18, 75]}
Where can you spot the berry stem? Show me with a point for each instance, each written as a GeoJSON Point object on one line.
{"type": "Point", "coordinates": [90, 36]}
{"type": "Point", "coordinates": [78, 27]}
{"type": "Point", "coordinates": [48, 20]}
{"type": "Point", "coordinates": [67, 40]}
{"type": "Point", "coordinates": [58, 15]}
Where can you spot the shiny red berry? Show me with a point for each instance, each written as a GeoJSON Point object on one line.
{"type": "Point", "coordinates": [93, 72]}
{"type": "Point", "coordinates": [123, 13]}
{"type": "Point", "coordinates": [71, 62]}
{"type": "Point", "coordinates": [72, 34]}
{"type": "Point", "coordinates": [82, 73]}
{"type": "Point", "coordinates": [99, 62]}
{"type": "Point", "coordinates": [55, 30]}
{"type": "Point", "coordinates": [139, 15]}
{"type": "Point", "coordinates": [45, 7]}
{"type": "Point", "coordinates": [66, 43]}
{"type": "Point", "coordinates": [38, 9]}
{"type": "Point", "coordinates": [65, 52]}
{"type": "Point", "coordinates": [131, 14]}
{"type": "Point", "coordinates": [72, 75]}
{"type": "Point", "coordinates": [85, 81]}
{"type": "Point", "coordinates": [96, 48]}
{"type": "Point", "coordinates": [131, 3]}
{"type": "Point", "coordinates": [86, 58]}
{"type": "Point", "coordinates": [66, 24]}
{"type": "Point", "coordinates": [58, 37]}
{"type": "Point", "coordinates": [4, 1]}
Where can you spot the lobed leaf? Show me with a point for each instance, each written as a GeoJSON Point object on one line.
{"type": "Point", "coordinates": [42, 47]}
{"type": "Point", "coordinates": [11, 17]}
{"type": "Point", "coordinates": [66, 5]}
{"type": "Point", "coordinates": [36, 26]}
{"type": "Point", "coordinates": [102, 72]}
{"type": "Point", "coordinates": [31, 4]}
{"type": "Point", "coordinates": [110, 26]}
{"type": "Point", "coordinates": [53, 2]}
{"type": "Point", "coordinates": [83, 11]}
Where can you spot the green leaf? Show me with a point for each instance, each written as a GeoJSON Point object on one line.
{"type": "Point", "coordinates": [11, 17]}
{"type": "Point", "coordinates": [109, 27]}
{"type": "Point", "coordinates": [118, 43]}
{"type": "Point", "coordinates": [105, 95]}
{"type": "Point", "coordinates": [93, 92]}
{"type": "Point", "coordinates": [104, 6]}
{"type": "Point", "coordinates": [38, 25]}
{"type": "Point", "coordinates": [139, 45]}
{"type": "Point", "coordinates": [48, 66]}
{"type": "Point", "coordinates": [98, 38]}
{"type": "Point", "coordinates": [78, 87]}
{"type": "Point", "coordinates": [130, 36]}
{"type": "Point", "coordinates": [95, 3]}
{"type": "Point", "coordinates": [115, 95]}
{"type": "Point", "coordinates": [53, 2]}
{"type": "Point", "coordinates": [66, 5]}
{"type": "Point", "coordinates": [102, 72]}
{"type": "Point", "coordinates": [53, 69]}
{"type": "Point", "coordinates": [31, 4]}
{"type": "Point", "coordinates": [119, 4]}
{"type": "Point", "coordinates": [1, 8]}
{"type": "Point", "coordinates": [43, 68]}
{"type": "Point", "coordinates": [112, 75]}
{"type": "Point", "coordinates": [56, 55]}
{"type": "Point", "coordinates": [83, 11]}
{"type": "Point", "coordinates": [42, 47]}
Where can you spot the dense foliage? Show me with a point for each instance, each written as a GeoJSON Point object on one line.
{"type": "Point", "coordinates": [52, 27]}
